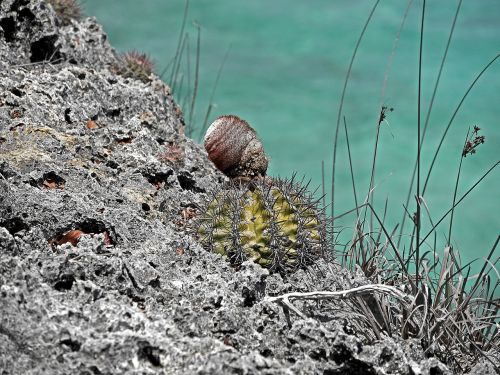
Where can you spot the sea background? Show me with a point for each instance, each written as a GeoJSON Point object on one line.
{"type": "Point", "coordinates": [285, 69]}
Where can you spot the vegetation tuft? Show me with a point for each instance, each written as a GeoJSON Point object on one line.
{"type": "Point", "coordinates": [454, 314]}
{"type": "Point", "coordinates": [67, 10]}
{"type": "Point", "coordinates": [182, 73]}
{"type": "Point", "coordinates": [135, 65]}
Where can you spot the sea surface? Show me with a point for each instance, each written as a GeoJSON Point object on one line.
{"type": "Point", "coordinates": [284, 73]}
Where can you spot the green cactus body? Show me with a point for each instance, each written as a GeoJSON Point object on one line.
{"type": "Point", "coordinates": [271, 221]}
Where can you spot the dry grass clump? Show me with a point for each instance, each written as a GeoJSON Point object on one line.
{"type": "Point", "coordinates": [453, 313]}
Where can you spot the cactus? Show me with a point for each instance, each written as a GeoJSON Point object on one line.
{"type": "Point", "coordinates": [274, 222]}
{"type": "Point", "coordinates": [67, 10]}
{"type": "Point", "coordinates": [134, 64]}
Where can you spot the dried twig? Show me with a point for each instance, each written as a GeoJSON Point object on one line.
{"type": "Point", "coordinates": [319, 295]}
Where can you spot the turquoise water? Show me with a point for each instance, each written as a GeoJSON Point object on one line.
{"type": "Point", "coordinates": [284, 75]}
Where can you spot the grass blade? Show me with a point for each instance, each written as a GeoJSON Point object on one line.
{"type": "Point", "coordinates": [181, 37]}
{"type": "Point", "coordinates": [196, 77]}
{"type": "Point", "coordinates": [427, 117]}
{"type": "Point", "coordinates": [350, 166]}
{"type": "Point", "coordinates": [456, 188]}
{"type": "Point", "coordinates": [348, 75]}
{"type": "Point", "coordinates": [417, 260]}
{"type": "Point", "coordinates": [210, 105]}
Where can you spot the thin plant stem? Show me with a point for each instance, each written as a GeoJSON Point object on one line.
{"type": "Point", "coordinates": [167, 67]}
{"type": "Point", "coordinates": [188, 62]}
{"type": "Point", "coordinates": [383, 219]}
{"type": "Point", "coordinates": [427, 117]}
{"type": "Point", "coordinates": [382, 99]}
{"type": "Point", "coordinates": [393, 53]}
{"type": "Point", "coordinates": [372, 174]}
{"type": "Point", "coordinates": [177, 65]}
{"type": "Point", "coordinates": [350, 166]}
{"type": "Point", "coordinates": [181, 86]}
{"type": "Point", "coordinates": [456, 189]}
{"type": "Point", "coordinates": [210, 105]}
{"type": "Point", "coordinates": [196, 76]}
{"type": "Point", "coordinates": [181, 37]}
{"type": "Point", "coordinates": [341, 104]}
{"type": "Point", "coordinates": [323, 183]}
{"type": "Point", "coordinates": [422, 200]}
{"type": "Point", "coordinates": [417, 260]}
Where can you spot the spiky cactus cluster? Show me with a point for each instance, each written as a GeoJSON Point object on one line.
{"type": "Point", "coordinates": [67, 10]}
{"type": "Point", "coordinates": [274, 222]}
{"type": "Point", "coordinates": [136, 65]}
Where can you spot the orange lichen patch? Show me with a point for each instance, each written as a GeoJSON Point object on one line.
{"type": "Point", "coordinates": [173, 153]}
{"type": "Point", "coordinates": [51, 180]}
{"type": "Point", "coordinates": [159, 179]}
{"type": "Point", "coordinates": [179, 251]}
{"type": "Point", "coordinates": [107, 239]}
{"type": "Point", "coordinates": [52, 184]}
{"type": "Point", "coordinates": [16, 113]}
{"type": "Point", "coordinates": [158, 184]}
{"type": "Point", "coordinates": [91, 124]}
{"type": "Point", "coordinates": [188, 213]}
{"type": "Point", "coordinates": [72, 237]}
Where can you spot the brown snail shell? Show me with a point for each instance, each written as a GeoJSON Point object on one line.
{"type": "Point", "coordinates": [234, 148]}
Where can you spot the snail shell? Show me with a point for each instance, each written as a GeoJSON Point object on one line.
{"type": "Point", "coordinates": [234, 148]}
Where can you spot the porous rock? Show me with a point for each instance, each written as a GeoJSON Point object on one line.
{"type": "Point", "coordinates": [97, 272]}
